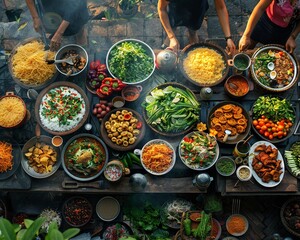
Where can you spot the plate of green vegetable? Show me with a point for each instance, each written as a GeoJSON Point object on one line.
{"type": "Point", "coordinates": [274, 69]}
{"type": "Point", "coordinates": [171, 109]}
{"type": "Point", "coordinates": [131, 60]}
{"type": "Point", "coordinates": [198, 150]}
{"type": "Point", "coordinates": [292, 158]}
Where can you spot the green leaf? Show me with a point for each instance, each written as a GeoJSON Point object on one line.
{"type": "Point", "coordinates": [33, 229]}
{"type": "Point", "coordinates": [28, 222]}
{"type": "Point", "coordinates": [17, 227]}
{"type": "Point", "coordinates": [21, 234]}
{"type": "Point", "coordinates": [23, 25]}
{"type": "Point", "coordinates": [7, 229]}
{"type": "Point", "coordinates": [55, 234]}
{"type": "Point", "coordinates": [52, 226]}
{"type": "Point", "coordinates": [71, 232]}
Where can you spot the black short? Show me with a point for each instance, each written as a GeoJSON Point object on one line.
{"type": "Point", "coordinates": [267, 32]}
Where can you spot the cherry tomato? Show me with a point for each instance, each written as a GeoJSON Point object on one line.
{"type": "Point", "coordinates": [280, 128]}
{"type": "Point", "coordinates": [139, 125]}
{"type": "Point", "coordinates": [274, 129]}
{"type": "Point", "coordinates": [271, 137]}
{"type": "Point", "coordinates": [258, 127]}
{"type": "Point", "coordinates": [264, 128]}
{"type": "Point", "coordinates": [280, 134]}
{"type": "Point", "coordinates": [267, 134]}
{"type": "Point", "coordinates": [268, 124]}
{"type": "Point", "coordinates": [261, 123]}
{"type": "Point", "coordinates": [263, 116]}
{"type": "Point", "coordinates": [275, 134]}
{"type": "Point", "coordinates": [261, 132]}
{"type": "Point", "coordinates": [255, 122]}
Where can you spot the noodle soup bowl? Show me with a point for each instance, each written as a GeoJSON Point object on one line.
{"type": "Point", "coordinates": [150, 157]}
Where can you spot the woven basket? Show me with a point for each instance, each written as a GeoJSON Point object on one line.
{"type": "Point", "coordinates": [284, 222]}
{"type": "Point", "coordinates": [182, 233]}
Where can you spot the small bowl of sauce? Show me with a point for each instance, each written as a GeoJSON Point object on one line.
{"type": "Point", "coordinates": [131, 92]}
{"type": "Point", "coordinates": [244, 173]}
{"type": "Point", "coordinates": [241, 61]}
{"type": "Point", "coordinates": [108, 208]}
{"type": "Point", "coordinates": [236, 86]}
{"type": "Point", "coordinates": [57, 141]}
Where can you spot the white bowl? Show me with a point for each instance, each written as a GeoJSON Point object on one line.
{"type": "Point", "coordinates": [243, 179]}
{"type": "Point", "coordinates": [246, 224]}
{"type": "Point", "coordinates": [108, 208]}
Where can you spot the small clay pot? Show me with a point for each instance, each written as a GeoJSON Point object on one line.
{"type": "Point", "coordinates": [233, 86]}
{"type": "Point", "coordinates": [131, 93]}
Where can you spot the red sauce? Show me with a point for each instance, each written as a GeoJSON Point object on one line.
{"type": "Point", "coordinates": [237, 86]}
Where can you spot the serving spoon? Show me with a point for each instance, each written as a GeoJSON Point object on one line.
{"type": "Point", "coordinates": [68, 60]}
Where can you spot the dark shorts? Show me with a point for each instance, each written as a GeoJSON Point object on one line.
{"type": "Point", "coordinates": [188, 13]}
{"type": "Point", "coordinates": [267, 32]}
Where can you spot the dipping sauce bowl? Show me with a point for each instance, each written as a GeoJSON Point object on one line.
{"type": "Point", "coordinates": [131, 93]}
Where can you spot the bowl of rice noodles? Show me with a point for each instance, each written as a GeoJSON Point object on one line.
{"type": "Point", "coordinates": [28, 67]}
{"type": "Point", "coordinates": [204, 64]}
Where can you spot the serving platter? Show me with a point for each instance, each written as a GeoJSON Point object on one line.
{"type": "Point", "coordinates": [84, 157]}
{"type": "Point", "coordinates": [77, 93]}
{"type": "Point", "coordinates": [215, 48]}
{"type": "Point", "coordinates": [252, 153]}
{"type": "Point", "coordinates": [137, 132]}
{"type": "Point", "coordinates": [16, 152]}
{"type": "Point", "coordinates": [274, 69]}
{"type": "Point", "coordinates": [158, 128]}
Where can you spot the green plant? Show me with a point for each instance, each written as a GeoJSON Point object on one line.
{"type": "Point", "coordinates": [9, 231]}
{"type": "Point", "coordinates": [128, 4]}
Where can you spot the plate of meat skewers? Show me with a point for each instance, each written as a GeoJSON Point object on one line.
{"type": "Point", "coordinates": [267, 164]}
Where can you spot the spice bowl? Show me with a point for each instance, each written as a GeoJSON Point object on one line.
{"type": "Point", "coordinates": [237, 86]}
{"type": "Point", "coordinates": [225, 166]}
{"type": "Point", "coordinates": [115, 170]}
{"type": "Point", "coordinates": [131, 92]}
{"type": "Point", "coordinates": [77, 211]}
{"type": "Point", "coordinates": [237, 225]}
{"type": "Point", "coordinates": [108, 208]}
{"type": "Point", "coordinates": [244, 173]}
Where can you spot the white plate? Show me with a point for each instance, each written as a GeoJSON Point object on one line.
{"type": "Point", "coordinates": [279, 157]}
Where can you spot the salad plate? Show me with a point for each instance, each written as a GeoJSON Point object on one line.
{"type": "Point", "coordinates": [198, 150]}
{"type": "Point", "coordinates": [253, 154]}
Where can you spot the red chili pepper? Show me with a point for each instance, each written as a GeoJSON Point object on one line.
{"type": "Point", "coordinates": [94, 65]}
{"type": "Point", "coordinates": [117, 85]}
{"type": "Point", "coordinates": [105, 89]}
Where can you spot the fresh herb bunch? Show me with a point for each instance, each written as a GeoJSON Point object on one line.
{"type": "Point", "coordinates": [273, 108]}
{"type": "Point", "coordinates": [145, 218]}
{"type": "Point", "coordinates": [130, 62]}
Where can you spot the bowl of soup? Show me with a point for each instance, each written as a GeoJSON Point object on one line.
{"type": "Point", "coordinates": [236, 86]}
{"type": "Point", "coordinates": [108, 208]}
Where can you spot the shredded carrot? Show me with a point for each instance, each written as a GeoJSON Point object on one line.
{"type": "Point", "coordinates": [236, 225]}
{"type": "Point", "coordinates": [6, 156]}
{"type": "Point", "coordinates": [157, 157]}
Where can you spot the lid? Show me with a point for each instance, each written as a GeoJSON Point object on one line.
{"type": "Point", "coordinates": [203, 179]}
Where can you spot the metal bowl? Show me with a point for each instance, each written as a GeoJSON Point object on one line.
{"type": "Point", "coordinates": [276, 88]}
{"type": "Point", "coordinates": [17, 80]}
{"type": "Point", "coordinates": [145, 46]}
{"type": "Point", "coordinates": [61, 54]}
{"type": "Point", "coordinates": [214, 47]}
{"type": "Point", "coordinates": [286, 224]}
{"type": "Point", "coordinates": [77, 175]}
{"type": "Point", "coordinates": [224, 158]}
{"type": "Point", "coordinates": [29, 170]}
{"type": "Point", "coordinates": [57, 85]}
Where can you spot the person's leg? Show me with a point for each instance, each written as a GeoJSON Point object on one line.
{"type": "Point", "coordinates": [193, 37]}
{"type": "Point", "coordinates": [81, 36]}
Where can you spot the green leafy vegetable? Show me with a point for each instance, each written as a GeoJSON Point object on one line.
{"type": "Point", "coordinates": [204, 227]}
{"type": "Point", "coordinates": [171, 109]}
{"type": "Point", "coordinates": [273, 108]}
{"type": "Point", "coordinates": [130, 62]}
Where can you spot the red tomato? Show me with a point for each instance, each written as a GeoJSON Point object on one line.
{"type": "Point", "coordinates": [280, 128]}
{"type": "Point", "coordinates": [261, 123]}
{"type": "Point", "coordinates": [255, 122]}
{"type": "Point", "coordinates": [280, 134]}
{"type": "Point", "coordinates": [268, 124]}
{"type": "Point", "coordinates": [139, 125]}
{"type": "Point", "coordinates": [267, 134]}
{"type": "Point", "coordinates": [261, 132]}
{"type": "Point", "coordinates": [274, 129]}
{"type": "Point", "coordinates": [263, 116]}
{"type": "Point", "coordinates": [271, 136]}
{"type": "Point", "coordinates": [258, 127]}
{"type": "Point", "coordinates": [275, 134]}
{"type": "Point", "coordinates": [264, 128]}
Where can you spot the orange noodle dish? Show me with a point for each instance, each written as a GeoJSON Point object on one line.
{"type": "Point", "coordinates": [157, 157]}
{"type": "Point", "coordinates": [6, 157]}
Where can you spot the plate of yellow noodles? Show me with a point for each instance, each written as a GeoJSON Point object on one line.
{"type": "Point", "coordinates": [28, 67]}
{"type": "Point", "coordinates": [204, 64]}
{"type": "Point", "coordinates": [10, 157]}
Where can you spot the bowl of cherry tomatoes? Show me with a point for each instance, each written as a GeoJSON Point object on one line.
{"type": "Point", "coordinates": [273, 118]}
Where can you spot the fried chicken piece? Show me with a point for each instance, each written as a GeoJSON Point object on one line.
{"type": "Point", "coordinates": [257, 166]}
{"type": "Point", "coordinates": [274, 153]}
{"type": "Point", "coordinates": [260, 148]}
{"type": "Point", "coordinates": [267, 177]}
{"type": "Point", "coordinates": [276, 176]}
{"type": "Point", "coordinates": [268, 149]}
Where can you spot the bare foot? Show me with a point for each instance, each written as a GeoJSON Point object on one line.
{"type": "Point", "coordinates": [193, 37]}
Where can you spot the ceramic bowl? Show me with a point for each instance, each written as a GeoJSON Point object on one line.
{"type": "Point", "coordinates": [236, 86]}
{"type": "Point", "coordinates": [237, 234]}
{"type": "Point", "coordinates": [108, 208]}
{"type": "Point", "coordinates": [223, 162]}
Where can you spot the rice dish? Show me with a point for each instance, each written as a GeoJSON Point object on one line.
{"type": "Point", "coordinates": [62, 109]}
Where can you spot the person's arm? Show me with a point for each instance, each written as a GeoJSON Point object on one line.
{"type": "Point", "coordinates": [56, 39]}
{"type": "Point", "coordinates": [34, 14]}
{"type": "Point", "coordinates": [164, 19]}
{"type": "Point", "coordinates": [224, 21]}
{"type": "Point", "coordinates": [290, 44]}
{"type": "Point", "coordinates": [257, 12]}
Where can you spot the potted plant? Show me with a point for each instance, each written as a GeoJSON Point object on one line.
{"type": "Point", "coordinates": [128, 8]}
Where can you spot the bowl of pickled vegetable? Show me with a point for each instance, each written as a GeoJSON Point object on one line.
{"type": "Point", "coordinates": [130, 60]}
{"type": "Point", "coordinates": [225, 166]}
{"type": "Point", "coordinates": [198, 150]}
{"type": "Point", "coordinates": [274, 69]}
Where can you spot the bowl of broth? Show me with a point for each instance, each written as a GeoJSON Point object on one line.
{"type": "Point", "coordinates": [108, 208]}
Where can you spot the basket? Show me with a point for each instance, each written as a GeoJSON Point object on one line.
{"type": "Point", "coordinates": [283, 220]}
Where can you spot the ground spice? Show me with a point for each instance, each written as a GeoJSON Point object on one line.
{"type": "Point", "coordinates": [236, 225]}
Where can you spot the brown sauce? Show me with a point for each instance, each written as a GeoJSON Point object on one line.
{"type": "Point", "coordinates": [237, 86]}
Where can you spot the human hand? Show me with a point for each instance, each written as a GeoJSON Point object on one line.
{"type": "Point", "coordinates": [37, 24]}
{"type": "Point", "coordinates": [230, 49]}
{"type": "Point", "coordinates": [174, 44]}
{"type": "Point", "coordinates": [55, 42]}
{"type": "Point", "coordinates": [244, 43]}
{"type": "Point", "coordinates": [290, 44]}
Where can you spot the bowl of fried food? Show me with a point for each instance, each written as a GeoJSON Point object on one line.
{"type": "Point", "coordinates": [204, 64]}
{"type": "Point", "coordinates": [78, 56]}
{"type": "Point", "coordinates": [40, 159]}
{"type": "Point", "coordinates": [28, 67]}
